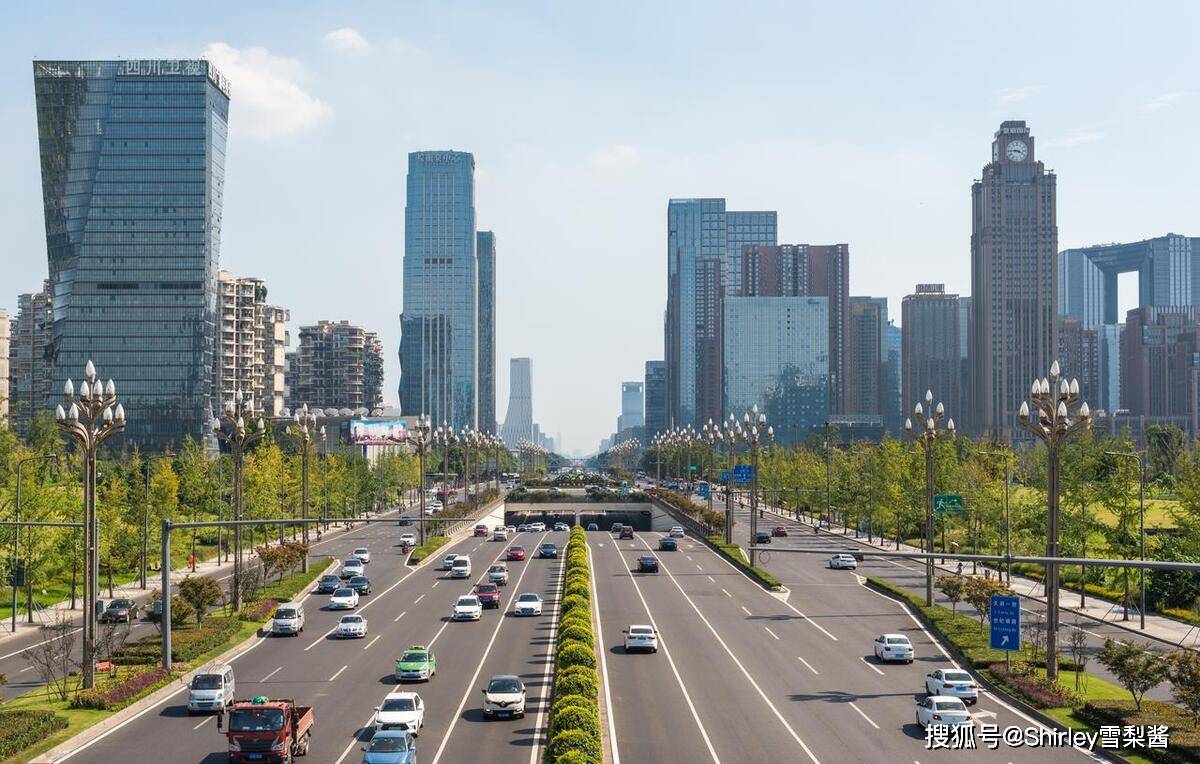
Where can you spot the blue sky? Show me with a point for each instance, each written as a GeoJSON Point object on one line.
{"type": "Point", "coordinates": [862, 123]}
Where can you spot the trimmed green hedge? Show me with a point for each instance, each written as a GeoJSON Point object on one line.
{"type": "Point", "coordinates": [733, 553]}
{"type": "Point", "coordinates": [577, 680]}
{"type": "Point", "coordinates": [430, 546]}
{"type": "Point", "coordinates": [576, 633]}
{"type": "Point", "coordinates": [20, 730]}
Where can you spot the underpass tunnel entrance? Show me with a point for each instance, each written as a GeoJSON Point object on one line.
{"type": "Point", "coordinates": [640, 519]}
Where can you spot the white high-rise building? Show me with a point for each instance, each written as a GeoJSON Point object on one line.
{"type": "Point", "coordinates": [518, 421]}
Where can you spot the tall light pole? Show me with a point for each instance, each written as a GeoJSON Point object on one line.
{"type": "Point", "coordinates": [1053, 399]}
{"type": "Point", "coordinates": [711, 434]}
{"type": "Point", "coordinates": [304, 425]}
{"type": "Point", "coordinates": [17, 536]}
{"type": "Point", "coordinates": [421, 437]}
{"type": "Point", "coordinates": [755, 433]}
{"type": "Point", "coordinates": [730, 438]}
{"type": "Point", "coordinates": [234, 432]}
{"type": "Point", "coordinates": [927, 434]}
{"type": "Point", "coordinates": [1141, 463]}
{"type": "Point", "coordinates": [89, 420]}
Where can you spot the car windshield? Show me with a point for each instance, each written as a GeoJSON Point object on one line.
{"type": "Point", "coordinates": [641, 630]}
{"type": "Point", "coordinates": [359, 580]}
{"type": "Point", "coordinates": [516, 549]}
{"type": "Point", "coordinates": [330, 579]}
{"type": "Point", "coordinates": [949, 705]}
{"type": "Point", "coordinates": [389, 744]}
{"type": "Point", "coordinates": [361, 550]}
{"type": "Point", "coordinates": [352, 619]}
{"type": "Point", "coordinates": [486, 589]}
{"type": "Point", "coordinates": [343, 593]}
{"type": "Point", "coordinates": [461, 562]}
{"type": "Point", "coordinates": [504, 685]}
{"type": "Point", "coordinates": [351, 563]}
{"type": "Point", "coordinates": [527, 598]}
{"type": "Point", "coordinates": [285, 612]}
{"type": "Point", "coordinates": [255, 720]}
{"type": "Point", "coordinates": [398, 704]}
{"type": "Point", "coordinates": [547, 546]}
{"type": "Point", "coordinates": [206, 682]}
{"type": "Point", "coordinates": [957, 676]}
{"type": "Point", "coordinates": [497, 569]}
{"type": "Point", "coordinates": [467, 602]}
{"type": "Point", "coordinates": [413, 656]}
{"type": "Point", "coordinates": [897, 640]}
{"type": "Point", "coordinates": [119, 604]}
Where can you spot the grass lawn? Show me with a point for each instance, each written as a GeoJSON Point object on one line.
{"type": "Point", "coordinates": [429, 547]}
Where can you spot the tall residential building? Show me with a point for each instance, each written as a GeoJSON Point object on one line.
{"type": "Point", "coordinates": [252, 340]}
{"type": "Point", "coordinates": [745, 229]}
{"type": "Point", "coordinates": [699, 236]}
{"type": "Point", "coordinates": [1160, 365]}
{"type": "Point", "coordinates": [30, 362]}
{"type": "Point", "coordinates": [931, 322]}
{"type": "Point", "coordinates": [776, 356]}
{"type": "Point", "coordinates": [867, 359]}
{"type": "Point", "coordinates": [633, 412]}
{"type": "Point", "coordinates": [1168, 269]}
{"type": "Point", "coordinates": [336, 365]}
{"type": "Point", "coordinates": [439, 328]}
{"type": "Point", "coordinates": [133, 173]}
{"type": "Point", "coordinates": [1079, 353]}
{"type": "Point", "coordinates": [485, 254]}
{"type": "Point", "coordinates": [656, 398]}
{"type": "Point", "coordinates": [276, 340]}
{"type": "Point", "coordinates": [966, 311]}
{"type": "Point", "coordinates": [1014, 254]}
{"type": "Point", "coordinates": [816, 270]}
{"type": "Point", "coordinates": [5, 328]}
{"type": "Point", "coordinates": [518, 420]}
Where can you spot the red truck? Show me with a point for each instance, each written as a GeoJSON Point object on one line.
{"type": "Point", "coordinates": [265, 730]}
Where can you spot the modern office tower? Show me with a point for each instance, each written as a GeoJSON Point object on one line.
{"type": "Point", "coordinates": [633, 412]}
{"type": "Point", "coordinates": [867, 359]}
{"type": "Point", "coordinates": [518, 420]}
{"type": "Point", "coordinates": [5, 328]}
{"type": "Point", "coordinates": [133, 172]}
{"type": "Point", "coordinates": [251, 343]}
{"type": "Point", "coordinates": [1168, 269]}
{"type": "Point", "coordinates": [699, 237]}
{"type": "Point", "coordinates": [1160, 365]}
{"type": "Point", "coordinates": [776, 356]}
{"type": "Point", "coordinates": [895, 378]}
{"type": "Point", "coordinates": [439, 327]}
{"type": "Point", "coordinates": [1079, 355]}
{"type": "Point", "coordinates": [30, 359]}
{"type": "Point", "coordinates": [336, 365]}
{"type": "Point", "coordinates": [966, 310]}
{"type": "Point", "coordinates": [815, 270]}
{"type": "Point", "coordinates": [744, 229]}
{"type": "Point", "coordinates": [656, 398]}
{"type": "Point", "coordinates": [485, 255]}
{"type": "Point", "coordinates": [1109, 341]}
{"type": "Point", "coordinates": [1014, 256]}
{"type": "Point", "coordinates": [931, 322]}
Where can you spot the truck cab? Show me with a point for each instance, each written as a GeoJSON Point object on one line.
{"type": "Point", "coordinates": [266, 730]}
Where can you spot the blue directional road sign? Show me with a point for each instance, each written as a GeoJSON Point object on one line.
{"type": "Point", "coordinates": [743, 473]}
{"type": "Point", "coordinates": [1006, 622]}
{"type": "Point", "coordinates": [725, 476]}
{"type": "Point", "coordinates": [703, 490]}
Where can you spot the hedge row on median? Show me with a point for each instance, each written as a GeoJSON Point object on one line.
{"type": "Point", "coordinates": [735, 555]}
{"type": "Point", "coordinates": [713, 521]}
{"type": "Point", "coordinates": [433, 544]}
{"type": "Point", "coordinates": [22, 729]}
{"type": "Point", "coordinates": [575, 715]}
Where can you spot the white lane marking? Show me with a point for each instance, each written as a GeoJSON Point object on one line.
{"type": "Point", "coordinates": [27, 668]}
{"type": "Point", "coordinates": [860, 713]}
{"type": "Point", "coordinates": [537, 739]}
{"type": "Point", "coordinates": [871, 665]}
{"type": "Point", "coordinates": [273, 673]}
{"type": "Point", "coordinates": [612, 722]}
{"type": "Point", "coordinates": [397, 618]}
{"type": "Point", "coordinates": [338, 673]}
{"type": "Point", "coordinates": [40, 642]}
{"type": "Point", "coordinates": [773, 634]}
{"type": "Point", "coordinates": [418, 599]}
{"type": "Point", "coordinates": [699, 568]}
{"type": "Point", "coordinates": [373, 641]}
{"type": "Point", "coordinates": [435, 583]}
{"type": "Point", "coordinates": [727, 594]}
{"type": "Point", "coordinates": [710, 578]}
{"type": "Point", "coordinates": [806, 663]}
{"type": "Point", "coordinates": [732, 656]}
{"type": "Point", "coordinates": [688, 556]}
{"type": "Point", "coordinates": [744, 610]}
{"type": "Point", "coordinates": [202, 722]}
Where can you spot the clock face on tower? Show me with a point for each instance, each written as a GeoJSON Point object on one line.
{"type": "Point", "coordinates": [1016, 151]}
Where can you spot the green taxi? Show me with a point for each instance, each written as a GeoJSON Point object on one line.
{"type": "Point", "coordinates": [416, 664]}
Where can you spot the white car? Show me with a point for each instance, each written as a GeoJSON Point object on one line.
{"type": "Point", "coordinates": [512, 530]}
{"type": "Point", "coordinates": [504, 697]}
{"type": "Point", "coordinates": [448, 561]}
{"type": "Point", "coordinates": [677, 531]}
{"type": "Point", "coordinates": [352, 567]}
{"type": "Point", "coordinates": [408, 539]}
{"type": "Point", "coordinates": [893, 647]}
{"type": "Point", "coordinates": [843, 562]}
{"type": "Point", "coordinates": [500, 534]}
{"type": "Point", "coordinates": [527, 604]}
{"type": "Point", "coordinates": [560, 526]}
{"type": "Point", "coordinates": [498, 574]}
{"type": "Point", "coordinates": [952, 683]}
{"type": "Point", "coordinates": [537, 527]}
{"type": "Point", "coordinates": [641, 637]}
{"type": "Point", "coordinates": [343, 599]}
{"type": "Point", "coordinates": [352, 626]}
{"type": "Point", "coordinates": [461, 567]}
{"type": "Point", "coordinates": [467, 608]}
{"type": "Point", "coordinates": [363, 555]}
{"type": "Point", "coordinates": [944, 710]}
{"type": "Point", "coordinates": [432, 506]}
{"type": "Point", "coordinates": [400, 711]}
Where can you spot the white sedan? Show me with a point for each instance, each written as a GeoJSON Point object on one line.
{"type": "Point", "coordinates": [343, 599]}
{"type": "Point", "coordinates": [432, 506]}
{"type": "Point", "coordinates": [641, 637]}
{"type": "Point", "coordinates": [363, 555]}
{"type": "Point", "coordinates": [940, 709]}
{"type": "Point", "coordinates": [448, 561]}
{"type": "Point", "coordinates": [952, 683]}
{"type": "Point", "coordinates": [352, 626]}
{"type": "Point", "coordinates": [677, 531]}
{"type": "Point", "coordinates": [527, 604]}
{"type": "Point", "coordinates": [400, 711]}
{"type": "Point", "coordinates": [467, 608]}
{"type": "Point", "coordinates": [408, 539]}
{"type": "Point", "coordinates": [843, 562]}
{"type": "Point", "coordinates": [893, 647]}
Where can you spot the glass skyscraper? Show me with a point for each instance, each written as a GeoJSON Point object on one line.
{"type": "Point", "coordinates": [439, 326]}
{"type": "Point", "coordinates": [485, 255]}
{"type": "Point", "coordinates": [133, 172]}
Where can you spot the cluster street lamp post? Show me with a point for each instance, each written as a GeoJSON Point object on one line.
{"type": "Point", "coordinates": [1141, 463]}
{"type": "Point", "coordinates": [17, 535]}
{"type": "Point", "coordinates": [1052, 423]}
{"type": "Point", "coordinates": [927, 435]}
{"type": "Point", "coordinates": [421, 437]}
{"type": "Point", "coordinates": [235, 432]}
{"type": "Point", "coordinates": [304, 425]}
{"type": "Point", "coordinates": [712, 435]}
{"type": "Point", "coordinates": [730, 440]}
{"type": "Point", "coordinates": [444, 436]}
{"type": "Point", "coordinates": [755, 433]}
{"type": "Point", "coordinates": [89, 420]}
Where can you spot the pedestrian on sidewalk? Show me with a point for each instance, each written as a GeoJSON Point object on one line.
{"type": "Point", "coordinates": [960, 567]}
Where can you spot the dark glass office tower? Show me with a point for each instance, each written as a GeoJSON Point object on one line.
{"type": "Point", "coordinates": [133, 169]}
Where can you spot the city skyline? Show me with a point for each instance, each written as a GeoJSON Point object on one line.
{"type": "Point", "coordinates": [1121, 155]}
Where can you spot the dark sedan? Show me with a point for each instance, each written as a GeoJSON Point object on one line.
{"type": "Point", "coordinates": [647, 564]}
{"type": "Point", "coordinates": [762, 537]}
{"type": "Point", "coordinates": [548, 550]}
{"type": "Point", "coordinates": [120, 611]}
{"type": "Point", "coordinates": [359, 584]}
{"type": "Point", "coordinates": [329, 583]}
{"type": "Point", "coordinates": [667, 544]}
{"type": "Point", "coordinates": [626, 532]}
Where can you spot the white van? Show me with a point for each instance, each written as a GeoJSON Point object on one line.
{"type": "Point", "coordinates": [211, 689]}
{"type": "Point", "coordinates": [288, 619]}
{"type": "Point", "coordinates": [461, 568]}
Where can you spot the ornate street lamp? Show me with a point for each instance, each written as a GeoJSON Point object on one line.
{"type": "Point", "coordinates": [1052, 422]}
{"type": "Point", "coordinates": [421, 436]}
{"type": "Point", "coordinates": [927, 434]}
{"type": "Point", "coordinates": [304, 426]}
{"type": "Point", "coordinates": [89, 420]}
{"type": "Point", "coordinates": [755, 433]}
{"type": "Point", "coordinates": [239, 437]}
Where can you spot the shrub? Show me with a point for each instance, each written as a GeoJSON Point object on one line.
{"type": "Point", "coordinates": [574, 602]}
{"type": "Point", "coordinates": [577, 618]}
{"type": "Point", "coordinates": [115, 694]}
{"type": "Point", "coordinates": [576, 654]}
{"type": "Point", "coordinates": [577, 680]}
{"type": "Point", "coordinates": [22, 729]}
{"type": "Point", "coordinates": [576, 633]}
{"type": "Point", "coordinates": [574, 740]}
{"type": "Point", "coordinates": [1038, 691]}
{"type": "Point", "coordinates": [579, 589]}
{"type": "Point", "coordinates": [573, 756]}
{"type": "Point", "coordinates": [257, 611]}
{"type": "Point", "coordinates": [576, 718]}
{"type": "Point", "coordinates": [571, 701]}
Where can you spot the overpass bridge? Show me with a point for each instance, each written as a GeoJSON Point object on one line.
{"type": "Point", "coordinates": [642, 516]}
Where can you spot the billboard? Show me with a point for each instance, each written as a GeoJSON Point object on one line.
{"type": "Point", "coordinates": [377, 432]}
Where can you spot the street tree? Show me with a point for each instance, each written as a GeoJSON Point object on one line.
{"type": "Point", "coordinates": [1136, 668]}
{"type": "Point", "coordinates": [201, 592]}
{"type": "Point", "coordinates": [1183, 670]}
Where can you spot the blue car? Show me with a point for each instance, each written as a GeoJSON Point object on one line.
{"type": "Point", "coordinates": [329, 583]}
{"type": "Point", "coordinates": [390, 747]}
{"type": "Point", "coordinates": [667, 544]}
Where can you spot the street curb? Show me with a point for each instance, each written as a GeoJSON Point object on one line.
{"type": "Point", "coordinates": [742, 565]}
{"type": "Point", "coordinates": [992, 687]}
{"type": "Point", "coordinates": [154, 698]}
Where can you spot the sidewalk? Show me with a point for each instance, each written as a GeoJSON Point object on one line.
{"type": "Point", "coordinates": [1161, 628]}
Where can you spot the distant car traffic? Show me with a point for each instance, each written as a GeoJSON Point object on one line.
{"type": "Point", "coordinates": [527, 604]}
{"type": "Point", "coordinates": [616, 528]}
{"type": "Point", "coordinates": [363, 555]}
{"type": "Point", "coordinates": [560, 526]}
{"type": "Point", "coordinates": [351, 568]}
{"type": "Point", "coordinates": [593, 527]}
{"type": "Point", "coordinates": [481, 530]}
{"type": "Point", "coordinates": [360, 584]}
{"type": "Point", "coordinates": [648, 564]}
{"type": "Point", "coordinates": [537, 527]}
{"type": "Point", "coordinates": [120, 611]}
{"type": "Point", "coordinates": [448, 561]}
{"type": "Point", "coordinates": [626, 532]}
{"type": "Point", "coordinates": [391, 747]}
{"type": "Point", "coordinates": [498, 574]}
{"type": "Point", "coordinates": [641, 637]}
{"type": "Point", "coordinates": [779, 531]}
{"type": "Point", "coordinates": [762, 537]}
{"type": "Point", "coordinates": [500, 534]}
{"type": "Point", "coordinates": [352, 626]}
{"type": "Point", "coordinates": [893, 647]}
{"type": "Point", "coordinates": [408, 539]}
{"type": "Point", "coordinates": [677, 531]}
{"type": "Point", "coordinates": [843, 561]}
